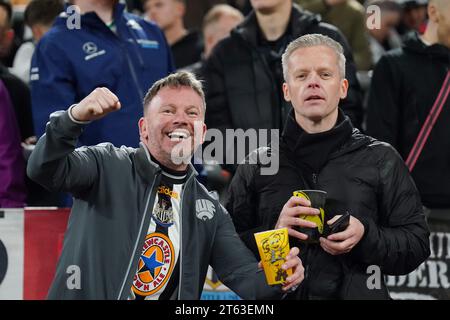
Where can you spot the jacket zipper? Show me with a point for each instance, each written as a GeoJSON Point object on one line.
{"type": "Point", "coordinates": [135, 42]}
{"type": "Point", "coordinates": [181, 236]}
{"type": "Point", "coordinates": [137, 240]}
{"type": "Point", "coordinates": [314, 178]}
{"type": "Point", "coordinates": [130, 65]}
{"type": "Point", "coordinates": [133, 74]}
{"type": "Point", "coordinates": [181, 243]}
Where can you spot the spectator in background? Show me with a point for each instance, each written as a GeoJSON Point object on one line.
{"type": "Point", "coordinates": [12, 166]}
{"type": "Point", "coordinates": [414, 16]}
{"type": "Point", "coordinates": [217, 24]}
{"type": "Point", "coordinates": [135, 6]}
{"type": "Point", "coordinates": [19, 94]}
{"type": "Point", "coordinates": [244, 76]}
{"type": "Point", "coordinates": [17, 89]}
{"type": "Point", "coordinates": [386, 37]}
{"type": "Point", "coordinates": [186, 46]}
{"type": "Point", "coordinates": [7, 33]}
{"type": "Point", "coordinates": [110, 48]}
{"type": "Point", "coordinates": [348, 16]}
{"type": "Point", "coordinates": [39, 15]}
{"type": "Point", "coordinates": [196, 10]}
{"type": "Point", "coordinates": [405, 85]}
{"type": "Point", "coordinates": [242, 5]}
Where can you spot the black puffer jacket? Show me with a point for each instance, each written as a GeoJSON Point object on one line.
{"type": "Point", "coordinates": [241, 91]}
{"type": "Point", "coordinates": [365, 177]}
{"type": "Point", "coordinates": [405, 84]}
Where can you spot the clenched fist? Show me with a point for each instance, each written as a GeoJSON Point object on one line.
{"type": "Point", "coordinates": [96, 105]}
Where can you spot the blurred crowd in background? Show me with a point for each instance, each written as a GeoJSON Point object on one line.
{"type": "Point", "coordinates": [234, 46]}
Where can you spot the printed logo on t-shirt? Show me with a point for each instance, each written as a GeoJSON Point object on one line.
{"type": "Point", "coordinates": [168, 192]}
{"type": "Point", "coordinates": [155, 265]}
{"type": "Point", "coordinates": [163, 213]}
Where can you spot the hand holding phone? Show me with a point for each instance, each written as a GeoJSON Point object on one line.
{"type": "Point", "coordinates": [338, 226]}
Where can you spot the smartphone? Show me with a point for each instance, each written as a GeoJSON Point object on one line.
{"type": "Point", "coordinates": [338, 226]}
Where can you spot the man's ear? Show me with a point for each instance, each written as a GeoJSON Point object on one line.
{"type": "Point", "coordinates": [433, 13]}
{"type": "Point", "coordinates": [143, 131]}
{"type": "Point", "coordinates": [209, 41]}
{"type": "Point", "coordinates": [38, 31]}
{"type": "Point", "coordinates": [10, 34]}
{"type": "Point", "coordinates": [204, 128]}
{"type": "Point", "coordinates": [180, 8]}
{"type": "Point", "coordinates": [7, 40]}
{"type": "Point", "coordinates": [287, 95]}
{"type": "Point", "coordinates": [344, 88]}
{"type": "Point", "coordinates": [199, 132]}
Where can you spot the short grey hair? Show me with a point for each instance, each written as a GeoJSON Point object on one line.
{"type": "Point", "coordinates": [176, 80]}
{"type": "Point", "coordinates": [313, 40]}
{"type": "Point", "coordinates": [217, 12]}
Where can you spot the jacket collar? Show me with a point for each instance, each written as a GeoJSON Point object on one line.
{"type": "Point", "coordinates": [312, 151]}
{"type": "Point", "coordinates": [351, 138]}
{"type": "Point", "coordinates": [147, 168]}
{"type": "Point", "coordinates": [357, 140]}
{"type": "Point", "coordinates": [300, 20]}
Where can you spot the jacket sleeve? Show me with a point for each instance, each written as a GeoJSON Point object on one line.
{"type": "Point", "coordinates": [383, 104]}
{"type": "Point", "coordinates": [235, 265]}
{"type": "Point", "coordinates": [52, 84]}
{"type": "Point", "coordinates": [399, 241]}
{"type": "Point", "coordinates": [55, 164]}
{"type": "Point", "coordinates": [240, 203]}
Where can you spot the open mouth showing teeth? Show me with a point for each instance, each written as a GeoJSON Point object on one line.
{"type": "Point", "coordinates": [178, 135]}
{"type": "Point", "coordinates": [314, 98]}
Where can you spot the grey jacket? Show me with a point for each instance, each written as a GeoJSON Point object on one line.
{"type": "Point", "coordinates": [114, 189]}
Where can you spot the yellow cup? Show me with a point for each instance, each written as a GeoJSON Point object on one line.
{"type": "Point", "coordinates": [273, 247]}
{"type": "Point", "coordinates": [317, 198]}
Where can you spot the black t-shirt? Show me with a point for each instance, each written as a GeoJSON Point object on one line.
{"type": "Point", "coordinates": [188, 50]}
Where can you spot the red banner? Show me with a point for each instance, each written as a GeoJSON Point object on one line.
{"type": "Point", "coordinates": [31, 242]}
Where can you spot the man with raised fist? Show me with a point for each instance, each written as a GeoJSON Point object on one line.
{"type": "Point", "coordinates": [142, 227]}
